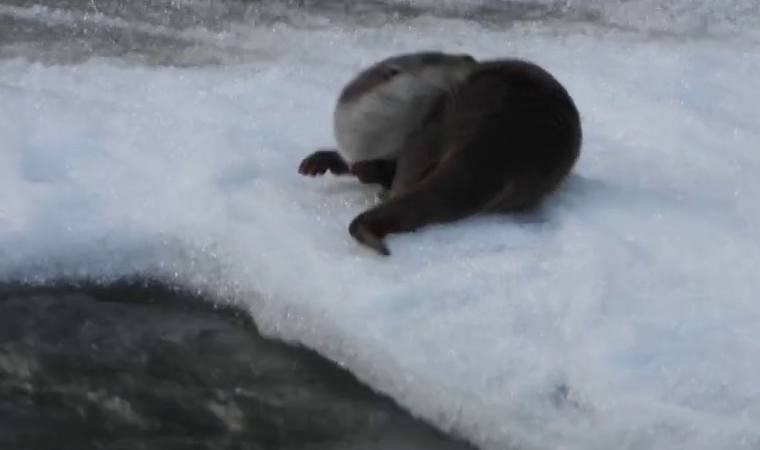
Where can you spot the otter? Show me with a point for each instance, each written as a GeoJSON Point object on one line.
{"type": "Point", "coordinates": [500, 137]}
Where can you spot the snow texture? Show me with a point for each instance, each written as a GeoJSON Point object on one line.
{"type": "Point", "coordinates": [624, 314]}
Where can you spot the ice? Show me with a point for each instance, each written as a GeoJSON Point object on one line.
{"type": "Point", "coordinates": [623, 314]}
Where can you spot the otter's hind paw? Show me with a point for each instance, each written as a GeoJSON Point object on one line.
{"type": "Point", "coordinates": [366, 232]}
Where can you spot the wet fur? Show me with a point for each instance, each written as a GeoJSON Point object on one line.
{"type": "Point", "coordinates": [498, 141]}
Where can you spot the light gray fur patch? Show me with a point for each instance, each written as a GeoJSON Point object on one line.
{"type": "Point", "coordinates": [377, 125]}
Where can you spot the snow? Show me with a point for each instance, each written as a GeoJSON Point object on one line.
{"type": "Point", "coordinates": [623, 314]}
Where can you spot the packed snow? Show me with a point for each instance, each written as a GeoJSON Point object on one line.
{"type": "Point", "coordinates": [622, 314]}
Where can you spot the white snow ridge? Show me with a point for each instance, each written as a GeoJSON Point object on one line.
{"type": "Point", "coordinates": [625, 314]}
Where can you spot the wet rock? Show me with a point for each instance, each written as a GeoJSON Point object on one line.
{"type": "Point", "coordinates": [144, 367]}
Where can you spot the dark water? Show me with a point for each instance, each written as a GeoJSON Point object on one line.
{"type": "Point", "coordinates": [198, 32]}
{"type": "Point", "coordinates": [136, 366]}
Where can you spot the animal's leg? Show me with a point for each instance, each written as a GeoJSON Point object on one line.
{"type": "Point", "coordinates": [379, 171]}
{"type": "Point", "coordinates": [453, 191]}
{"type": "Point", "coordinates": [375, 171]}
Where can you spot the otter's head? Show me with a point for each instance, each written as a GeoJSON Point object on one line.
{"type": "Point", "coordinates": [389, 100]}
{"type": "Point", "coordinates": [422, 71]}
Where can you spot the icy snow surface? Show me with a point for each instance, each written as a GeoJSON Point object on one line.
{"type": "Point", "coordinates": [624, 314]}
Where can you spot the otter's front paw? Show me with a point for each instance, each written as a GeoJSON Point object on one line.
{"type": "Point", "coordinates": [321, 161]}
{"type": "Point", "coordinates": [369, 231]}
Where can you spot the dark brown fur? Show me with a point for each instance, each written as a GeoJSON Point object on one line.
{"type": "Point", "coordinates": [499, 142]}
{"type": "Point", "coordinates": [509, 136]}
